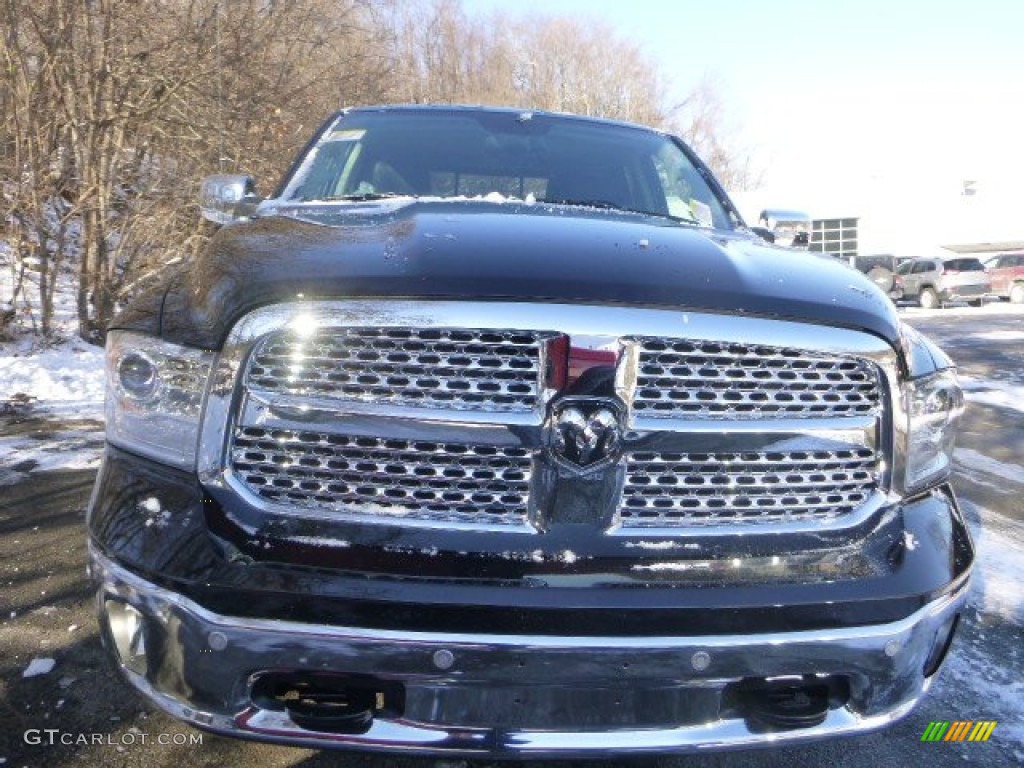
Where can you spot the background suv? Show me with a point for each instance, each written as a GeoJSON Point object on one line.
{"type": "Point", "coordinates": [1006, 271]}
{"type": "Point", "coordinates": [934, 282]}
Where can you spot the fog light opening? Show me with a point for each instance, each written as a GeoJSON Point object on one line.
{"type": "Point", "coordinates": [128, 630]}
{"type": "Point", "coordinates": [785, 703]}
{"type": "Point", "coordinates": [940, 645]}
{"type": "Point", "coordinates": [329, 703]}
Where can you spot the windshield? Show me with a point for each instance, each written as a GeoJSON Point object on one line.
{"type": "Point", "coordinates": [502, 155]}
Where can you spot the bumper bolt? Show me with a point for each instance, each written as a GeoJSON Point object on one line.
{"type": "Point", "coordinates": [892, 648]}
{"type": "Point", "coordinates": [701, 660]}
{"type": "Point", "coordinates": [444, 659]}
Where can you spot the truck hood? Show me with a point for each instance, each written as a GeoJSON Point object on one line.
{"type": "Point", "coordinates": [506, 252]}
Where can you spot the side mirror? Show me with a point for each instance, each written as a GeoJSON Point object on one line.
{"type": "Point", "coordinates": [764, 233]}
{"type": "Point", "coordinates": [791, 229]}
{"type": "Point", "coordinates": [227, 197]}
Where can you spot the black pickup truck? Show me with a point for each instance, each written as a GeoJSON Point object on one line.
{"type": "Point", "coordinates": [498, 433]}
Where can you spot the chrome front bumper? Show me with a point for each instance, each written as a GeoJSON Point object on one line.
{"type": "Point", "coordinates": [516, 696]}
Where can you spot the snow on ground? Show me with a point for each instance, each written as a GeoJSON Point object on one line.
{"type": "Point", "coordinates": [999, 576]}
{"type": "Point", "coordinates": [23, 455]}
{"type": "Point", "coordinates": [63, 382]}
{"type": "Point", "coordinates": [1000, 394]}
{"type": "Point", "coordinates": [963, 310]}
{"type": "Point", "coordinates": [59, 379]}
{"type": "Point", "coordinates": [1001, 391]}
{"type": "Point", "coordinates": [65, 379]}
{"type": "Point", "coordinates": [985, 663]}
{"type": "Point", "coordinates": [64, 374]}
{"type": "Point", "coordinates": [972, 675]}
{"type": "Point", "coordinates": [999, 336]}
{"type": "Point", "coordinates": [972, 462]}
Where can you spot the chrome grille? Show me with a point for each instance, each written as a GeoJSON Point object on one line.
{"type": "Point", "coordinates": [680, 378]}
{"type": "Point", "coordinates": [692, 489]}
{"type": "Point", "coordinates": [420, 480]}
{"type": "Point", "coordinates": [421, 412]}
{"type": "Point", "coordinates": [467, 369]}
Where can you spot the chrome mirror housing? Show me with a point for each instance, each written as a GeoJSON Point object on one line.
{"type": "Point", "coordinates": [789, 228]}
{"type": "Point", "coordinates": [227, 197]}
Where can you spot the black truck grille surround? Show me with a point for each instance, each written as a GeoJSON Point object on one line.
{"type": "Point", "coordinates": [711, 379]}
{"type": "Point", "coordinates": [489, 370]}
{"type": "Point", "coordinates": [438, 425]}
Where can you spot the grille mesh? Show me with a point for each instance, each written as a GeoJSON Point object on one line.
{"type": "Point", "coordinates": [701, 379]}
{"type": "Point", "coordinates": [491, 370]}
{"type": "Point", "coordinates": [683, 489]}
{"type": "Point", "coordinates": [420, 479]}
{"type": "Point", "coordinates": [495, 370]}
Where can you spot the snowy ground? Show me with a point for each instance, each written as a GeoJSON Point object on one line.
{"type": "Point", "coordinates": [42, 387]}
{"type": "Point", "coordinates": [61, 381]}
{"type": "Point", "coordinates": [993, 392]}
{"type": "Point", "coordinates": [979, 669]}
{"type": "Point", "coordinates": [65, 379]}
{"type": "Point", "coordinates": [989, 308]}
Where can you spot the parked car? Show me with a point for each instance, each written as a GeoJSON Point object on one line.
{"type": "Point", "coordinates": [880, 269]}
{"type": "Point", "coordinates": [499, 434]}
{"type": "Point", "coordinates": [1006, 272]}
{"type": "Point", "coordinates": [935, 282]}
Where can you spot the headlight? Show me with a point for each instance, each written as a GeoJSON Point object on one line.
{"type": "Point", "coordinates": [155, 394]}
{"type": "Point", "coordinates": [933, 404]}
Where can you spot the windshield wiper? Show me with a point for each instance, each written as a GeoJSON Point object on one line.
{"type": "Point", "coordinates": [683, 219]}
{"type": "Point", "coordinates": [360, 197]}
{"type": "Point", "coordinates": [586, 203]}
{"type": "Point", "coordinates": [605, 204]}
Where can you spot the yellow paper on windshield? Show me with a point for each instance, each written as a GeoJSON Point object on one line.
{"type": "Point", "coordinates": [701, 212]}
{"type": "Point", "coordinates": [354, 134]}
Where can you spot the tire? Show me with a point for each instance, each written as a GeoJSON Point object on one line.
{"type": "Point", "coordinates": [1017, 293]}
{"type": "Point", "coordinates": [928, 299]}
{"type": "Point", "coordinates": [975, 302]}
{"type": "Point", "coordinates": [881, 277]}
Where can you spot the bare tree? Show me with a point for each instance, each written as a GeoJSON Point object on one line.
{"type": "Point", "coordinates": [441, 55]}
{"type": "Point", "coordinates": [38, 185]}
{"type": "Point", "coordinates": [112, 110]}
{"type": "Point", "coordinates": [701, 120]}
{"type": "Point", "coordinates": [119, 106]}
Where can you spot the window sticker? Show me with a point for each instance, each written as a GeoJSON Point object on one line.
{"type": "Point", "coordinates": [701, 212]}
{"type": "Point", "coordinates": [678, 207]}
{"type": "Point", "coordinates": [347, 135]}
